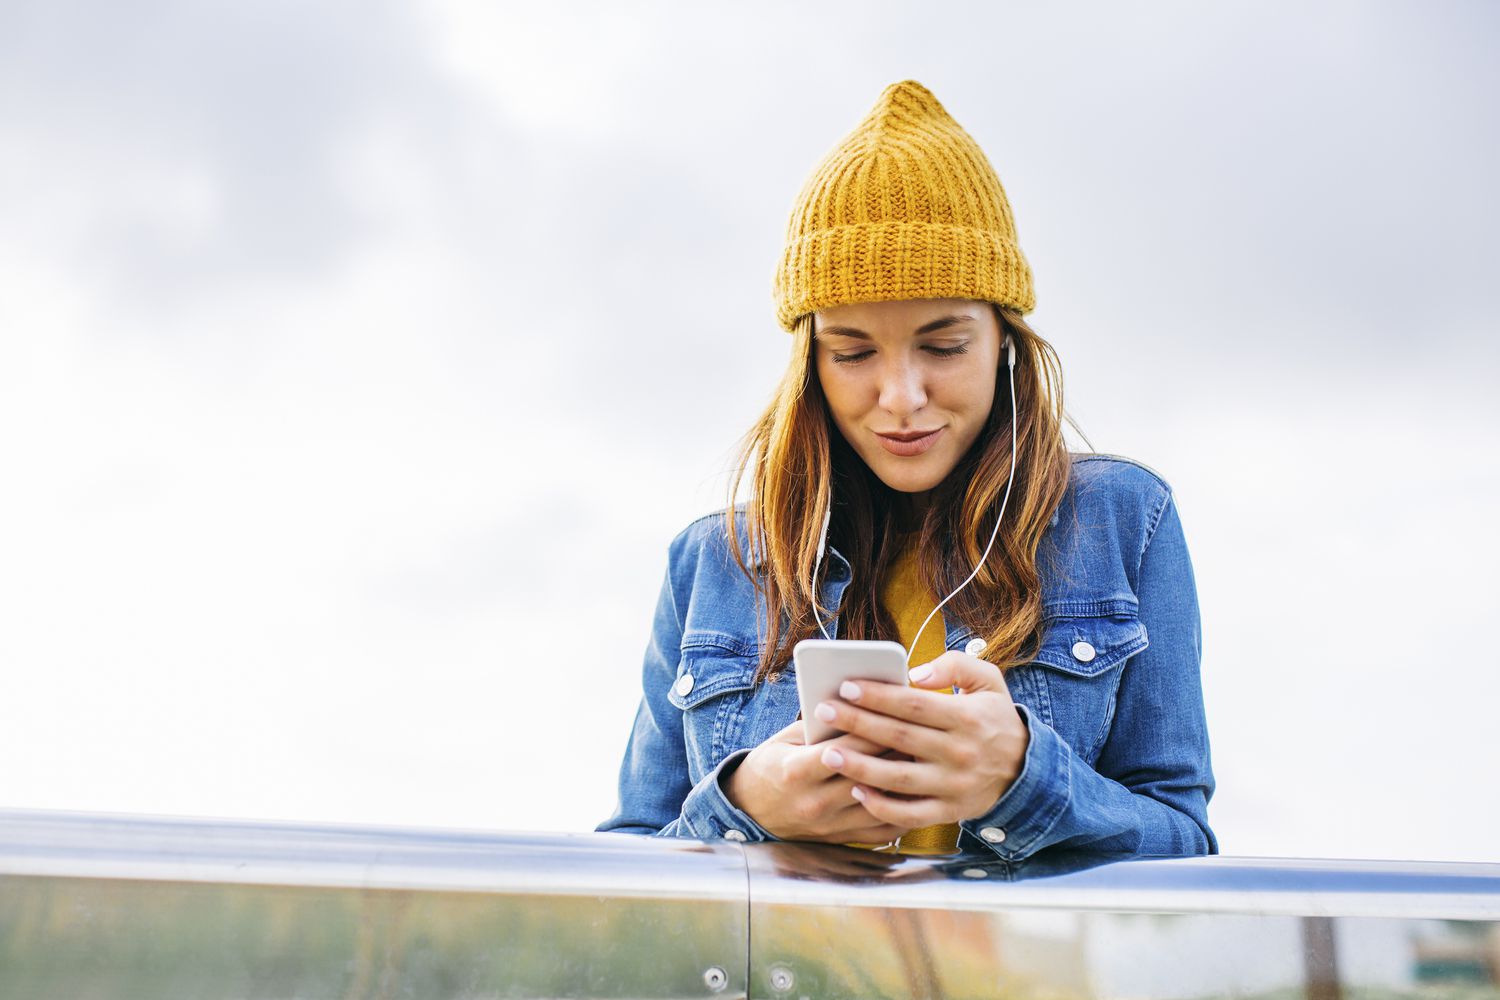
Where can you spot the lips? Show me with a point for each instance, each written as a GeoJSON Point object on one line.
{"type": "Point", "coordinates": [909, 443]}
{"type": "Point", "coordinates": [907, 435]}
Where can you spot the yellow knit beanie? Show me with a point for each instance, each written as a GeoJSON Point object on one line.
{"type": "Point", "coordinates": [906, 206]}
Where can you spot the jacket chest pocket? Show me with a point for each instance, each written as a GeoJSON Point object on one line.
{"type": "Point", "coordinates": [1073, 680]}
{"type": "Point", "coordinates": [714, 679]}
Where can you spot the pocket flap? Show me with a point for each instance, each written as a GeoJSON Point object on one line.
{"type": "Point", "coordinates": [714, 670]}
{"type": "Point", "coordinates": [1086, 638]}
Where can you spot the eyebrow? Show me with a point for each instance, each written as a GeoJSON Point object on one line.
{"type": "Point", "coordinates": [938, 324]}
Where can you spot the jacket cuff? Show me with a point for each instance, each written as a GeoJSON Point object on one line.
{"type": "Point", "coordinates": [1034, 802]}
{"type": "Point", "coordinates": [708, 813]}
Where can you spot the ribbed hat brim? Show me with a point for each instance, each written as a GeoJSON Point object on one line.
{"type": "Point", "coordinates": [880, 261]}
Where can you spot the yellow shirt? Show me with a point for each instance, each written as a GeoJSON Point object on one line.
{"type": "Point", "coordinates": [902, 594]}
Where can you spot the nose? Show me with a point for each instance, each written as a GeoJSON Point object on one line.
{"type": "Point", "coordinates": [901, 390]}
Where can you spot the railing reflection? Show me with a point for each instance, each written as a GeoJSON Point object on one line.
{"type": "Point", "coordinates": [118, 906]}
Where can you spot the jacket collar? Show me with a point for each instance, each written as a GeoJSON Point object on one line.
{"type": "Point", "coordinates": [757, 558]}
{"type": "Point", "coordinates": [958, 635]}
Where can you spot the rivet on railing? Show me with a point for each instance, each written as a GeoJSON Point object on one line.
{"type": "Point", "coordinates": [782, 978]}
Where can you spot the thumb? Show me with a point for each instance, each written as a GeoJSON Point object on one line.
{"type": "Point", "coordinates": [970, 673]}
{"type": "Point", "coordinates": [794, 733]}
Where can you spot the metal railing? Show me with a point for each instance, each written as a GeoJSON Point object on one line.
{"type": "Point", "coordinates": [122, 906]}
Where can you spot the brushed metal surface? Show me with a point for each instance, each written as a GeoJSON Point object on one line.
{"type": "Point", "coordinates": [135, 907]}
{"type": "Point", "coordinates": [217, 850]}
{"type": "Point", "coordinates": [104, 906]}
{"type": "Point", "coordinates": [1080, 880]}
{"type": "Point", "coordinates": [842, 923]}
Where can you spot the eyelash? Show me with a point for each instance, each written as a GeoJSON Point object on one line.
{"type": "Point", "coordinates": [945, 352]}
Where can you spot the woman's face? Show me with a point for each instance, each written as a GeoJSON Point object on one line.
{"type": "Point", "coordinates": [903, 367]}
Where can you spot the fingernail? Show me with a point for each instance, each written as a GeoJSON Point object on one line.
{"type": "Point", "coordinates": [920, 673]}
{"type": "Point", "coordinates": [825, 711]}
{"type": "Point", "coordinates": [833, 758]}
{"type": "Point", "coordinates": [849, 691]}
{"type": "Point", "coordinates": [858, 793]}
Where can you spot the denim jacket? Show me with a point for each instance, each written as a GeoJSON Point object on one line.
{"type": "Point", "coordinates": [1118, 754]}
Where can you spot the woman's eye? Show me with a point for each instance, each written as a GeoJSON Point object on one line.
{"type": "Point", "coordinates": [942, 352]}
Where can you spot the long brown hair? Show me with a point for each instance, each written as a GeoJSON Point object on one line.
{"type": "Point", "coordinates": [797, 459]}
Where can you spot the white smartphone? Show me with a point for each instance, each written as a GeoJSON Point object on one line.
{"type": "Point", "coordinates": [824, 664]}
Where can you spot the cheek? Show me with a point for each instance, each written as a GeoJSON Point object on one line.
{"type": "Point", "coordinates": [974, 394]}
{"type": "Point", "coordinates": [842, 394]}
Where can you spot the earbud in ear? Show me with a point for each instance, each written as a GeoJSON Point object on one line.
{"type": "Point", "coordinates": [1010, 350]}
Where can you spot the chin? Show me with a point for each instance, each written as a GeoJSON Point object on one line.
{"type": "Point", "coordinates": [908, 481]}
{"type": "Point", "coordinates": [907, 475]}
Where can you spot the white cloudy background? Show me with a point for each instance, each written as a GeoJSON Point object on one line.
{"type": "Point", "coordinates": [357, 363]}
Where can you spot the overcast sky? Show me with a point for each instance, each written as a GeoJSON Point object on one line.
{"type": "Point", "coordinates": [358, 362]}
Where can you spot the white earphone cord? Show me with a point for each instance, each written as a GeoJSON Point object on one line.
{"type": "Point", "coordinates": [1010, 368]}
{"type": "Point", "coordinates": [993, 534]}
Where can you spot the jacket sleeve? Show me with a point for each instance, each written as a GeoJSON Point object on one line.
{"type": "Point", "coordinates": [1150, 792]}
{"type": "Point", "coordinates": [656, 795]}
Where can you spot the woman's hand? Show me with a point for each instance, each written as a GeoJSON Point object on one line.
{"type": "Point", "coordinates": [784, 786]}
{"type": "Point", "coordinates": [966, 750]}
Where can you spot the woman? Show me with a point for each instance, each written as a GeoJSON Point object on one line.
{"type": "Point", "coordinates": [918, 412]}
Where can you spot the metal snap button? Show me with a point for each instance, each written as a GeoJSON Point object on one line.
{"type": "Point", "coordinates": [733, 835]}
{"type": "Point", "coordinates": [1082, 651]}
{"type": "Point", "coordinates": [993, 834]}
{"type": "Point", "coordinates": [684, 684]}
